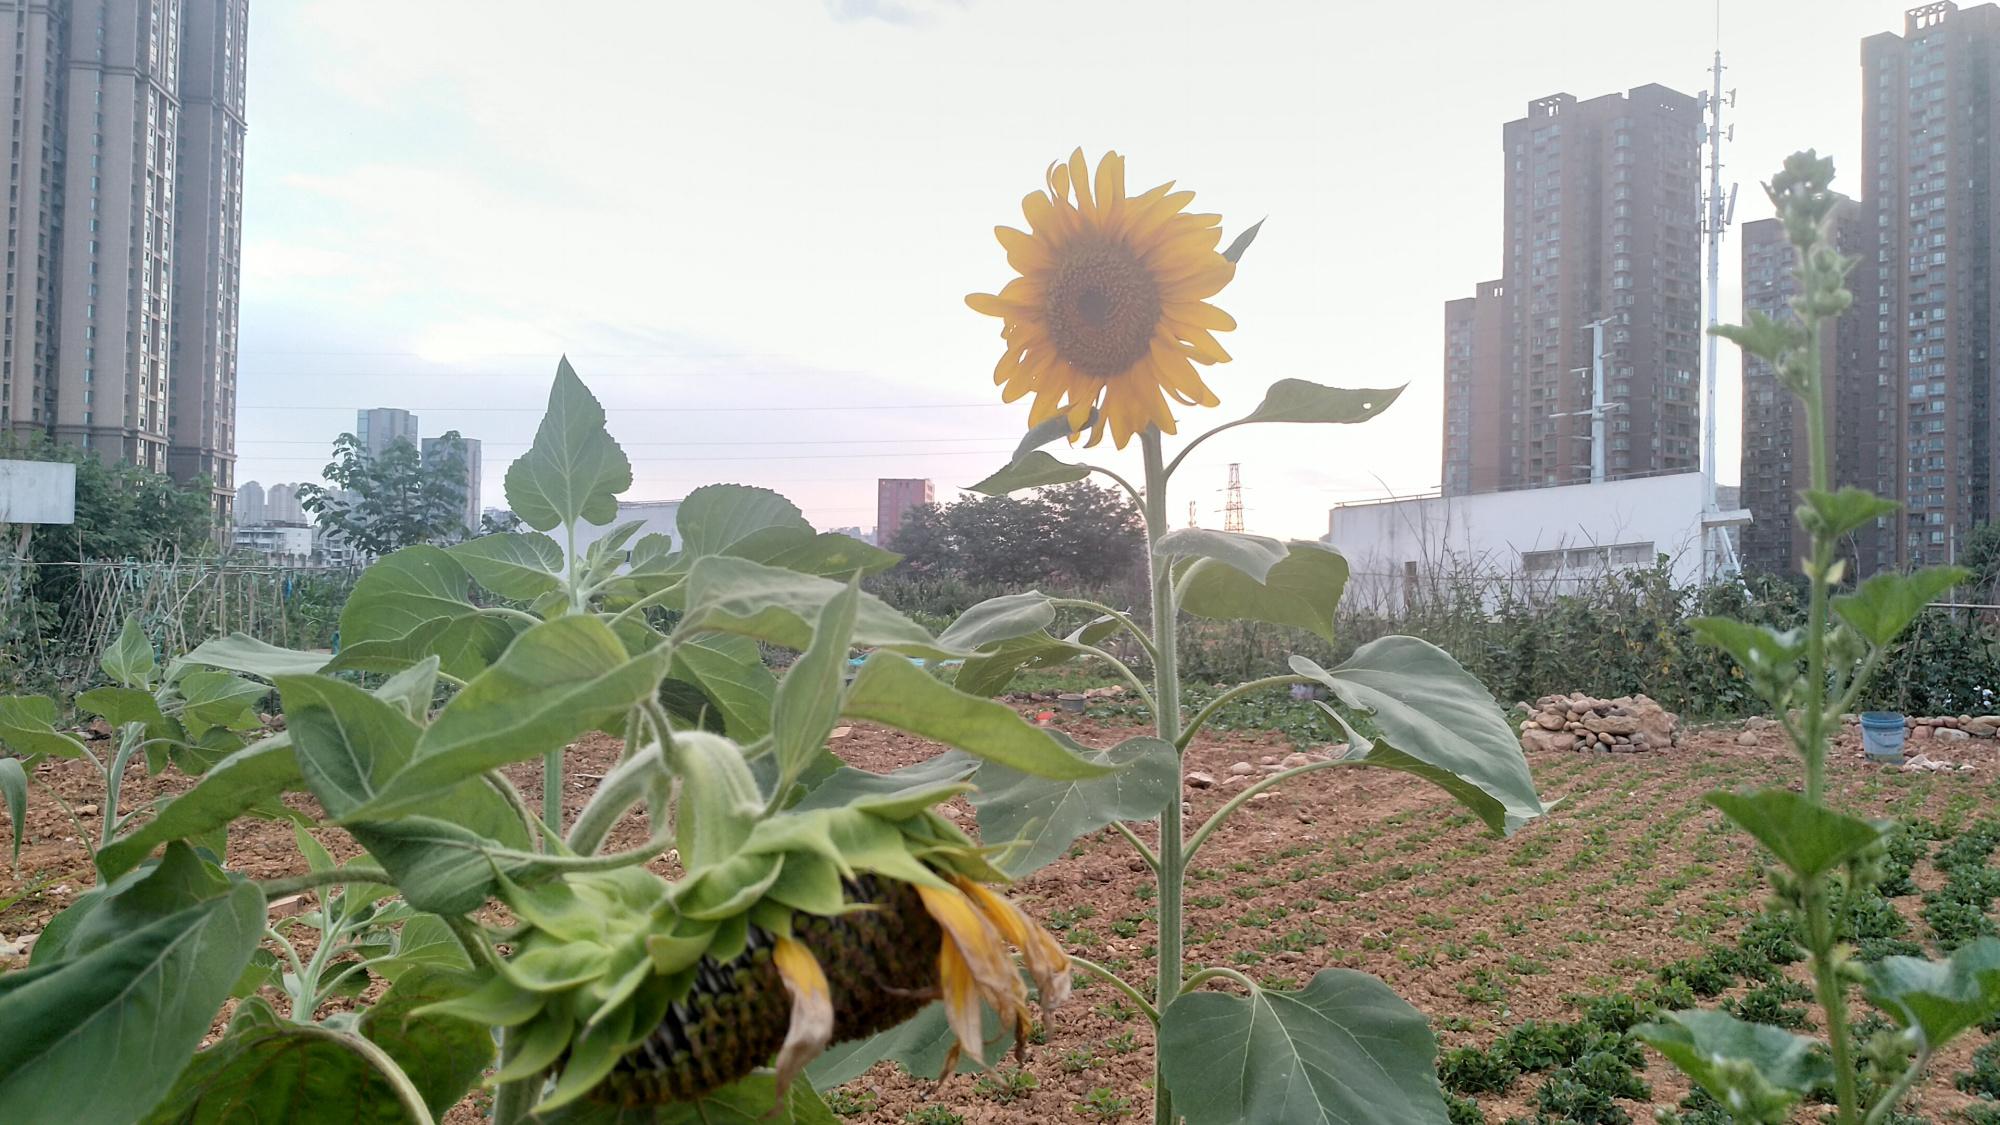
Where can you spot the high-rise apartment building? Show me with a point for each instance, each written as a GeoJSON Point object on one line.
{"type": "Point", "coordinates": [384, 426]}
{"type": "Point", "coordinates": [894, 497]}
{"type": "Point", "coordinates": [1926, 285]}
{"type": "Point", "coordinates": [122, 230]}
{"type": "Point", "coordinates": [434, 448]}
{"type": "Point", "coordinates": [1775, 468]}
{"type": "Point", "coordinates": [1602, 223]}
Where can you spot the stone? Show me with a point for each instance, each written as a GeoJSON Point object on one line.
{"type": "Point", "coordinates": [1952, 734]}
{"type": "Point", "coordinates": [1985, 726]}
{"type": "Point", "coordinates": [1198, 780]}
{"type": "Point", "coordinates": [1242, 768]}
{"type": "Point", "coordinates": [1613, 724]}
{"type": "Point", "coordinates": [1921, 732]}
{"type": "Point", "coordinates": [1549, 720]}
{"type": "Point", "coordinates": [1294, 761]}
{"type": "Point", "coordinates": [1747, 738]}
{"type": "Point", "coordinates": [1548, 740]}
{"type": "Point", "coordinates": [1268, 760]}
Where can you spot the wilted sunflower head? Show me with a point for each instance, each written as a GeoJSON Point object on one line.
{"type": "Point", "coordinates": [1109, 312]}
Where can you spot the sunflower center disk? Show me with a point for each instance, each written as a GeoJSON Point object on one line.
{"type": "Point", "coordinates": [1103, 306]}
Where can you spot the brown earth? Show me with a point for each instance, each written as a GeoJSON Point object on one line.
{"type": "Point", "coordinates": [1358, 869]}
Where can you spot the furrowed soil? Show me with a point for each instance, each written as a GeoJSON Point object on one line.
{"type": "Point", "coordinates": [1358, 869]}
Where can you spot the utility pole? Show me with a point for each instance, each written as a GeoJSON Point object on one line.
{"type": "Point", "coordinates": [1718, 553]}
{"type": "Point", "coordinates": [1191, 522]}
{"type": "Point", "coordinates": [1232, 504]}
{"type": "Point", "coordinates": [1598, 407]}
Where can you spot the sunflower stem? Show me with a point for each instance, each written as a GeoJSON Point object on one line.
{"type": "Point", "coordinates": [1167, 724]}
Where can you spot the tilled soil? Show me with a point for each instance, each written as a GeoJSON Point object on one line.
{"type": "Point", "coordinates": [1359, 869]}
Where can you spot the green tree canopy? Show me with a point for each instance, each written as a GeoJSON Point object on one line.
{"type": "Point", "coordinates": [1072, 536]}
{"type": "Point", "coordinates": [391, 500]}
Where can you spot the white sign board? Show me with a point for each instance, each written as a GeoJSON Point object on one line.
{"type": "Point", "coordinates": [37, 492]}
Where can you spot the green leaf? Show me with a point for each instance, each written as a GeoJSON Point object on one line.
{"type": "Point", "coordinates": [730, 676]}
{"type": "Point", "coordinates": [1375, 752]}
{"type": "Point", "coordinates": [14, 787]}
{"type": "Point", "coordinates": [1426, 707]}
{"type": "Point", "coordinates": [1300, 586]}
{"type": "Point", "coordinates": [1242, 241]}
{"type": "Point", "coordinates": [295, 1073]}
{"type": "Point", "coordinates": [252, 776]}
{"type": "Point", "coordinates": [443, 1056]}
{"type": "Point", "coordinates": [727, 519]}
{"type": "Point", "coordinates": [895, 795]}
{"type": "Point", "coordinates": [558, 680]}
{"type": "Point", "coordinates": [1039, 436]}
{"type": "Point", "coordinates": [101, 1037]}
{"type": "Point", "coordinates": [399, 606]}
{"type": "Point", "coordinates": [999, 619]}
{"type": "Point", "coordinates": [129, 659]}
{"type": "Point", "coordinates": [1807, 837]}
{"type": "Point", "coordinates": [28, 727]}
{"type": "Point", "coordinates": [1765, 337]}
{"type": "Point", "coordinates": [1940, 999]}
{"type": "Point", "coordinates": [989, 673]}
{"type": "Point", "coordinates": [833, 554]}
{"type": "Point", "coordinates": [470, 644]}
{"type": "Point", "coordinates": [521, 566]}
{"type": "Point", "coordinates": [425, 940]}
{"type": "Point", "coordinates": [896, 693]}
{"type": "Point", "coordinates": [1835, 514]}
{"type": "Point", "coordinates": [1887, 603]}
{"type": "Point", "coordinates": [240, 652]}
{"type": "Point", "coordinates": [180, 880]}
{"type": "Point", "coordinates": [121, 705]}
{"type": "Point", "coordinates": [574, 471]}
{"type": "Point", "coordinates": [349, 743]}
{"type": "Point", "coordinates": [1254, 555]}
{"type": "Point", "coordinates": [808, 700]}
{"type": "Point", "coordinates": [1036, 820]}
{"type": "Point", "coordinates": [719, 802]}
{"type": "Point", "coordinates": [218, 699]}
{"type": "Point", "coordinates": [1344, 1050]}
{"type": "Point", "coordinates": [1029, 470]}
{"type": "Point", "coordinates": [731, 595]}
{"type": "Point", "coordinates": [1757, 1070]}
{"type": "Point", "coordinates": [1295, 400]}
{"type": "Point", "coordinates": [439, 866]}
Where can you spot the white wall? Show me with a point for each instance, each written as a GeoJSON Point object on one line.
{"type": "Point", "coordinates": [37, 492]}
{"type": "Point", "coordinates": [655, 516]}
{"type": "Point", "coordinates": [1488, 535]}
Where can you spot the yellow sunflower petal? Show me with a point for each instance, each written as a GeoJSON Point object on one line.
{"type": "Point", "coordinates": [812, 1009]}
{"type": "Point", "coordinates": [1079, 182]}
{"type": "Point", "coordinates": [1024, 253]}
{"type": "Point", "coordinates": [961, 1006]}
{"type": "Point", "coordinates": [1046, 961]}
{"type": "Point", "coordinates": [1040, 211]}
{"type": "Point", "coordinates": [1198, 314]}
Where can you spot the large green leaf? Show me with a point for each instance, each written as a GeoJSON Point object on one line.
{"type": "Point", "coordinates": [181, 879]}
{"type": "Point", "coordinates": [1344, 1050]}
{"type": "Point", "coordinates": [252, 776]}
{"type": "Point", "coordinates": [1036, 819]}
{"type": "Point", "coordinates": [349, 743]}
{"type": "Point", "coordinates": [470, 644]}
{"type": "Point", "coordinates": [439, 866]}
{"type": "Point", "coordinates": [399, 606]}
{"type": "Point", "coordinates": [835, 555]}
{"type": "Point", "coordinates": [558, 680]}
{"type": "Point", "coordinates": [28, 727]}
{"type": "Point", "coordinates": [240, 652]}
{"type": "Point", "coordinates": [1807, 837]}
{"type": "Point", "coordinates": [1363, 750]}
{"type": "Point", "coordinates": [1424, 706]}
{"type": "Point", "coordinates": [1004, 618]}
{"type": "Point", "coordinates": [1834, 514]}
{"type": "Point", "coordinates": [896, 693]}
{"type": "Point", "coordinates": [808, 701]}
{"type": "Point", "coordinates": [723, 519]}
{"type": "Point", "coordinates": [989, 672]}
{"type": "Point", "coordinates": [521, 566]}
{"type": "Point", "coordinates": [1888, 602]}
{"type": "Point", "coordinates": [218, 699]}
{"type": "Point", "coordinates": [1940, 999]}
{"type": "Point", "coordinates": [1029, 470]}
{"type": "Point", "coordinates": [897, 794]}
{"type": "Point", "coordinates": [443, 1056]}
{"type": "Point", "coordinates": [1295, 400]}
{"type": "Point", "coordinates": [1297, 583]}
{"type": "Point", "coordinates": [766, 603]}
{"type": "Point", "coordinates": [121, 705]}
{"type": "Point", "coordinates": [1756, 1069]}
{"type": "Point", "coordinates": [732, 680]}
{"type": "Point", "coordinates": [102, 1037]}
{"type": "Point", "coordinates": [129, 658]}
{"type": "Point", "coordinates": [574, 471]}
{"type": "Point", "coordinates": [298, 1074]}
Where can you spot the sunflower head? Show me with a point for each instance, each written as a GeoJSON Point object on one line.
{"type": "Point", "coordinates": [1109, 316]}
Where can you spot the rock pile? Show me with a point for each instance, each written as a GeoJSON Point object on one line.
{"type": "Point", "coordinates": [1628, 724]}
{"type": "Point", "coordinates": [1949, 728]}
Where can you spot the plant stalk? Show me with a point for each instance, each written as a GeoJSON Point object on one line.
{"type": "Point", "coordinates": [1167, 724]}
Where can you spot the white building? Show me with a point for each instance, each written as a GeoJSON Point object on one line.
{"type": "Point", "coordinates": [653, 516]}
{"type": "Point", "coordinates": [279, 543]}
{"type": "Point", "coordinates": [1543, 541]}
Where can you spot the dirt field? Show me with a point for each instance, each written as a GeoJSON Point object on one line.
{"type": "Point", "coordinates": [1361, 869]}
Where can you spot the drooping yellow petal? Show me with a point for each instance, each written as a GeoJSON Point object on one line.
{"type": "Point", "coordinates": [1079, 182]}
{"type": "Point", "coordinates": [812, 1009]}
{"type": "Point", "coordinates": [1046, 961]}
{"type": "Point", "coordinates": [961, 1007]}
{"type": "Point", "coordinates": [1202, 315]}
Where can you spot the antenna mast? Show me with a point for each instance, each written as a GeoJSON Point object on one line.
{"type": "Point", "coordinates": [1232, 504]}
{"type": "Point", "coordinates": [1718, 554]}
{"type": "Point", "coordinates": [1191, 522]}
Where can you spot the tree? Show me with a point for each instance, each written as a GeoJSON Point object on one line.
{"type": "Point", "coordinates": [1980, 554]}
{"type": "Point", "coordinates": [1072, 536]}
{"type": "Point", "coordinates": [393, 499]}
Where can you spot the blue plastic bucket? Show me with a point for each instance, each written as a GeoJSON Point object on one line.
{"type": "Point", "coordinates": [1882, 736]}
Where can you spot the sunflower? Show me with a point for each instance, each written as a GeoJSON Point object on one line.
{"type": "Point", "coordinates": [1109, 315]}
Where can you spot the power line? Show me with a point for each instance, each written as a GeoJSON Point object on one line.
{"type": "Point", "coordinates": [652, 444]}
{"type": "Point", "coordinates": [759, 457]}
{"type": "Point", "coordinates": [663, 409]}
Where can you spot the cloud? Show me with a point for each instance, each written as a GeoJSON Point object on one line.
{"type": "Point", "coordinates": [907, 13]}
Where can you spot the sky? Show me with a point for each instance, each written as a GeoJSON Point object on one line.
{"type": "Point", "coordinates": [751, 226]}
